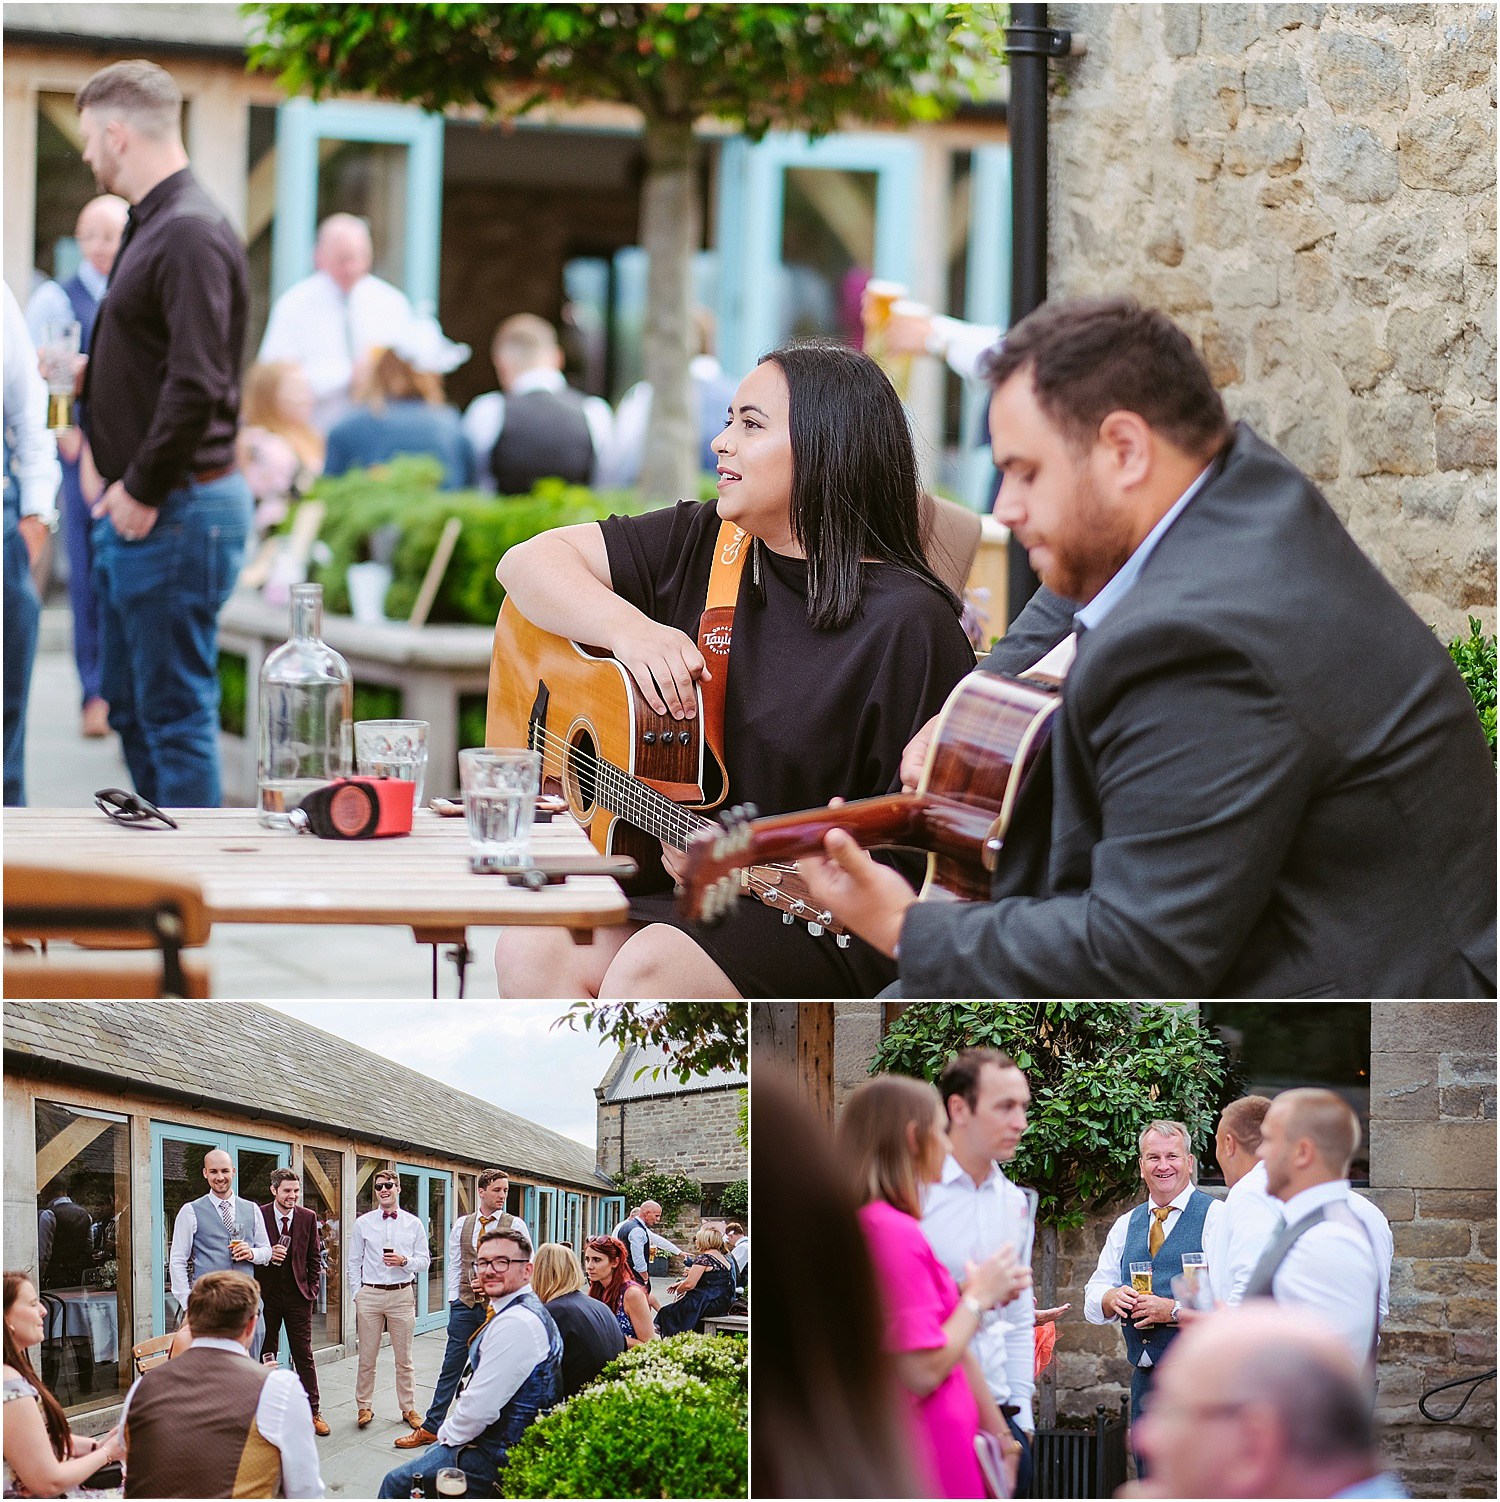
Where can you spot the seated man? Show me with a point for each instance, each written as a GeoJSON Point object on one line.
{"type": "Point", "coordinates": [515, 1374]}
{"type": "Point", "coordinates": [1266, 777]}
{"type": "Point", "coordinates": [213, 1423]}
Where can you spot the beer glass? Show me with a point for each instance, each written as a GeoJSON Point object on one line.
{"type": "Point", "coordinates": [60, 344]}
{"type": "Point", "coordinates": [1140, 1277]}
{"type": "Point", "coordinates": [452, 1482]}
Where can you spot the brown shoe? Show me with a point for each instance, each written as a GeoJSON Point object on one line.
{"type": "Point", "coordinates": [320, 1425]}
{"type": "Point", "coordinates": [365, 1415]}
{"type": "Point", "coordinates": [413, 1418]}
{"type": "Point", "coordinates": [417, 1440]}
{"type": "Point", "coordinates": [96, 719]}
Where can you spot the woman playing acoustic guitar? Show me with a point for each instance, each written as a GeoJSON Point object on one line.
{"type": "Point", "coordinates": [845, 643]}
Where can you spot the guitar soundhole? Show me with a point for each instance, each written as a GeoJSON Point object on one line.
{"type": "Point", "coordinates": [582, 773]}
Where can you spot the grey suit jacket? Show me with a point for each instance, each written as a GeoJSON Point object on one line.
{"type": "Point", "coordinates": [1266, 779]}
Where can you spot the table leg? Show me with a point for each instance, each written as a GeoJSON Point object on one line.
{"type": "Point", "coordinates": [459, 953]}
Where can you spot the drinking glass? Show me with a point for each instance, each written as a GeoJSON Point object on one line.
{"type": "Point", "coordinates": [58, 349]}
{"type": "Point", "coordinates": [1140, 1277]}
{"type": "Point", "coordinates": [1194, 1268]}
{"type": "Point", "coordinates": [499, 788]}
{"type": "Point", "coordinates": [393, 748]}
{"type": "Point", "coordinates": [452, 1482]}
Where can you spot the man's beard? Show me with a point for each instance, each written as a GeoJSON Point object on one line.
{"type": "Point", "coordinates": [1095, 548]}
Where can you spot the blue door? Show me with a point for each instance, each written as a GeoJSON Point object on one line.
{"type": "Point", "coordinates": [610, 1213]}
{"type": "Point", "coordinates": [427, 1193]}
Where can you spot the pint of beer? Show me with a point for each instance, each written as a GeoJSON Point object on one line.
{"type": "Point", "coordinates": [876, 309]}
{"type": "Point", "coordinates": [59, 346]}
{"type": "Point", "coordinates": [452, 1482]}
{"type": "Point", "coordinates": [1140, 1277]}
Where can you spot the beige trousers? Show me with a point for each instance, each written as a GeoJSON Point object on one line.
{"type": "Point", "coordinates": [393, 1310]}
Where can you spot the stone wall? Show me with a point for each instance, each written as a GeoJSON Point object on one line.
{"type": "Point", "coordinates": [1310, 191]}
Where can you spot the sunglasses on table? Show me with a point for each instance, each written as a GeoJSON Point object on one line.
{"type": "Point", "coordinates": [130, 809]}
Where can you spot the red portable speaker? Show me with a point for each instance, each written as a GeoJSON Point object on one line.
{"type": "Point", "coordinates": [361, 808]}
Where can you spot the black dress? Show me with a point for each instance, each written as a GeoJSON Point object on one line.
{"type": "Point", "coordinates": [809, 715]}
{"type": "Point", "coordinates": [591, 1338]}
{"type": "Point", "coordinates": [712, 1294]}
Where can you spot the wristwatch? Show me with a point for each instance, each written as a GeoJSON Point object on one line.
{"type": "Point", "coordinates": [969, 1301]}
{"type": "Point", "coordinates": [1175, 1307]}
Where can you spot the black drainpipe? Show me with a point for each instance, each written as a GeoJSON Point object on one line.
{"type": "Point", "coordinates": [1029, 42]}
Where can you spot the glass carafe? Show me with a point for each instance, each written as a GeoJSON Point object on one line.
{"type": "Point", "coordinates": [305, 714]}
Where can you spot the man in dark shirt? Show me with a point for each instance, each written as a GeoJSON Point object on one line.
{"type": "Point", "coordinates": [162, 405]}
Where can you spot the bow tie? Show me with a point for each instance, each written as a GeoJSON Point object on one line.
{"type": "Point", "coordinates": [389, 1214]}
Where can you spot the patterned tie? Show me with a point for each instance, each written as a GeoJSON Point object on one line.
{"type": "Point", "coordinates": [1158, 1228]}
{"type": "Point", "coordinates": [226, 1214]}
{"type": "Point", "coordinates": [485, 1222]}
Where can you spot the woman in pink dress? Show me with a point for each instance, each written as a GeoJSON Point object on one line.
{"type": "Point", "coordinates": [893, 1135]}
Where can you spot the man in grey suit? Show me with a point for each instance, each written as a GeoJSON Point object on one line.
{"type": "Point", "coordinates": [1266, 777]}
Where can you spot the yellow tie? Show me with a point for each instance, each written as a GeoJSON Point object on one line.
{"type": "Point", "coordinates": [1158, 1228]}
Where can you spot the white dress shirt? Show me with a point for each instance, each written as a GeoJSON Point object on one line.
{"type": "Point", "coordinates": [484, 420]}
{"type": "Point", "coordinates": [247, 1217]}
{"type": "Point", "coordinates": [283, 1417]}
{"type": "Point", "coordinates": [34, 465]}
{"type": "Point", "coordinates": [740, 1256]}
{"type": "Point", "coordinates": [455, 1247]}
{"type": "Point", "coordinates": [1333, 1267]}
{"type": "Point", "coordinates": [367, 1250]}
{"type": "Point", "coordinates": [317, 327]}
{"type": "Point", "coordinates": [1108, 1273]}
{"type": "Point", "coordinates": [50, 304]}
{"type": "Point", "coordinates": [968, 1222]}
{"type": "Point", "coordinates": [512, 1344]}
{"type": "Point", "coordinates": [961, 344]}
{"type": "Point", "coordinates": [1234, 1243]}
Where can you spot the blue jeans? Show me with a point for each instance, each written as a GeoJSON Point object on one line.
{"type": "Point", "coordinates": [77, 531]}
{"type": "Point", "coordinates": [425, 1465]}
{"type": "Point", "coordinates": [462, 1323]}
{"type": "Point", "coordinates": [159, 602]}
{"type": "Point", "coordinates": [1142, 1379]}
{"type": "Point", "coordinates": [1023, 1471]}
{"type": "Point", "coordinates": [23, 612]}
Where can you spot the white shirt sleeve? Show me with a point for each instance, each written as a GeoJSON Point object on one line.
{"type": "Point", "coordinates": [1107, 1273]}
{"type": "Point", "coordinates": [284, 1418]}
{"type": "Point", "coordinates": [481, 423]}
{"type": "Point", "coordinates": [1249, 1224]}
{"type": "Point", "coordinates": [306, 326]}
{"type": "Point", "coordinates": [182, 1247]}
{"type": "Point", "coordinates": [509, 1350]}
{"type": "Point", "coordinates": [600, 417]}
{"type": "Point", "coordinates": [628, 443]}
{"type": "Point", "coordinates": [260, 1239]}
{"type": "Point", "coordinates": [418, 1254]}
{"type": "Point", "coordinates": [964, 343]}
{"type": "Point", "coordinates": [34, 464]}
{"type": "Point", "coordinates": [455, 1256]}
{"type": "Point", "coordinates": [663, 1243]}
{"type": "Point", "coordinates": [356, 1255]}
{"type": "Point", "coordinates": [48, 304]}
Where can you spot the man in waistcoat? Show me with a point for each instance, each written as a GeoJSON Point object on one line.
{"type": "Point", "coordinates": [536, 425]}
{"type": "Point", "coordinates": [515, 1375]}
{"type": "Point", "coordinates": [65, 1240]}
{"type": "Point", "coordinates": [466, 1301]}
{"type": "Point", "coordinates": [1326, 1255]}
{"type": "Point", "coordinates": [289, 1282]}
{"type": "Point", "coordinates": [101, 223]}
{"type": "Point", "coordinates": [212, 1422]}
{"type": "Point", "coordinates": [218, 1232]}
{"type": "Point", "coordinates": [1172, 1221]}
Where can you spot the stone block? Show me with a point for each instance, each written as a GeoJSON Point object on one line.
{"type": "Point", "coordinates": [1284, 191]}
{"type": "Point", "coordinates": [1360, 354]}
{"type": "Point", "coordinates": [1394, 1204]}
{"type": "Point", "coordinates": [1314, 286]}
{"type": "Point", "coordinates": [1410, 1310]}
{"type": "Point", "coordinates": [1454, 1277]}
{"type": "Point", "coordinates": [1246, 287]}
{"type": "Point", "coordinates": [1472, 1314]}
{"type": "Point", "coordinates": [1393, 436]}
{"type": "Point", "coordinates": [1466, 60]}
{"type": "Point", "coordinates": [1399, 1384]}
{"type": "Point", "coordinates": [1432, 498]}
{"type": "Point", "coordinates": [1479, 224]}
{"type": "Point", "coordinates": [1275, 83]}
{"type": "Point", "coordinates": [1179, 29]}
{"type": "Point", "coordinates": [1475, 365]}
{"type": "Point", "coordinates": [1420, 339]}
{"type": "Point", "coordinates": [1290, 17]}
{"type": "Point", "coordinates": [1206, 100]}
{"type": "Point", "coordinates": [1355, 164]}
{"type": "Point", "coordinates": [1441, 1443]}
{"type": "Point", "coordinates": [1310, 437]}
{"type": "Point", "coordinates": [1360, 75]}
{"type": "Point", "coordinates": [1485, 1239]}
{"type": "Point", "coordinates": [1172, 290]}
{"type": "Point", "coordinates": [1077, 1369]}
{"type": "Point", "coordinates": [1297, 228]}
{"type": "Point", "coordinates": [1275, 148]}
{"type": "Point", "coordinates": [1467, 1102]}
{"type": "Point", "coordinates": [1408, 1345]}
{"type": "Point", "coordinates": [1476, 1345]}
{"type": "Point", "coordinates": [1447, 153]}
{"type": "Point", "coordinates": [1403, 1086]}
{"type": "Point", "coordinates": [1228, 29]}
{"type": "Point", "coordinates": [1224, 353]}
{"type": "Point", "coordinates": [1432, 1238]}
{"type": "Point", "coordinates": [1466, 437]}
{"type": "Point", "coordinates": [1433, 1027]}
{"type": "Point", "coordinates": [1456, 1204]}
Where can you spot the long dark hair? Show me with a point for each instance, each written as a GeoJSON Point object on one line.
{"type": "Point", "coordinates": [15, 1358]}
{"type": "Point", "coordinates": [855, 491]}
{"type": "Point", "coordinates": [613, 1292]}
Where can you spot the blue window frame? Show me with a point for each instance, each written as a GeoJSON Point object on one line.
{"type": "Point", "coordinates": [434, 1208]}
{"type": "Point", "coordinates": [610, 1213]}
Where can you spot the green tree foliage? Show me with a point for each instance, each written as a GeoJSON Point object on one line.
{"type": "Point", "coordinates": [1474, 657]}
{"type": "Point", "coordinates": [696, 1036]}
{"type": "Point", "coordinates": [1099, 1071]}
{"type": "Point", "coordinates": [802, 66]}
{"type": "Point", "coordinates": [734, 1202]}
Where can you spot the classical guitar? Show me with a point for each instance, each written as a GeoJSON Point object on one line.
{"type": "Point", "coordinates": [632, 778]}
{"type": "Point", "coordinates": [988, 739]}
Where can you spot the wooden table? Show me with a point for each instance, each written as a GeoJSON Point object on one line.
{"type": "Point", "coordinates": [250, 874]}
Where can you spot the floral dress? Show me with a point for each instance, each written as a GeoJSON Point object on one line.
{"type": "Point", "coordinates": [18, 1388]}
{"type": "Point", "coordinates": [712, 1294]}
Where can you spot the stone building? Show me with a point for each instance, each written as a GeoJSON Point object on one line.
{"type": "Point", "coordinates": [649, 1118]}
{"type": "Point", "coordinates": [115, 1104]}
{"type": "Point", "coordinates": [1428, 1097]}
{"type": "Point", "coordinates": [1310, 191]}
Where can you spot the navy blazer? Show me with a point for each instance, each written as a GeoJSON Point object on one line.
{"type": "Point", "coordinates": [1266, 779]}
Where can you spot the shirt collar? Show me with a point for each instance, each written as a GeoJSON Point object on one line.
{"type": "Point", "coordinates": [1093, 614]}
{"type": "Point", "coordinates": [94, 281]}
{"type": "Point", "coordinates": [1310, 1199]}
{"type": "Point", "coordinates": [954, 1171]}
{"type": "Point", "coordinates": [506, 1300]}
{"type": "Point", "coordinates": [1179, 1202]}
{"type": "Point", "coordinates": [542, 378]}
{"type": "Point", "coordinates": [227, 1199]}
{"type": "Point", "coordinates": [220, 1343]}
{"type": "Point", "coordinates": [163, 193]}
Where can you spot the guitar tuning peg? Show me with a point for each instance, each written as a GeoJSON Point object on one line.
{"type": "Point", "coordinates": [815, 929]}
{"type": "Point", "coordinates": [842, 940]}
{"type": "Point", "coordinates": [787, 918]}
{"type": "Point", "coordinates": [751, 811]}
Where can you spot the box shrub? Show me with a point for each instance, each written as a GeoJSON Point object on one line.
{"type": "Point", "coordinates": [1474, 656]}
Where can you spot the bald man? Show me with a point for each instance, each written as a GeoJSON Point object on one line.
{"type": "Point", "coordinates": [329, 321]}
{"type": "Point", "coordinates": [1324, 1257]}
{"type": "Point", "coordinates": [101, 223]}
{"type": "Point", "coordinates": [1261, 1402]}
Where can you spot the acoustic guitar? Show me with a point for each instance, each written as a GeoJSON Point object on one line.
{"type": "Point", "coordinates": [632, 778]}
{"type": "Point", "coordinates": [989, 737]}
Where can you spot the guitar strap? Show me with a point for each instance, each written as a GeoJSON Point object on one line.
{"type": "Point", "coordinates": [716, 628]}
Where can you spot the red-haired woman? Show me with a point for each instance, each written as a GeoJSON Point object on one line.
{"type": "Point", "coordinates": [605, 1262]}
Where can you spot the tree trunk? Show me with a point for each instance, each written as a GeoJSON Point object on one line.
{"type": "Point", "coordinates": [669, 228]}
{"type": "Point", "coordinates": [1046, 1387]}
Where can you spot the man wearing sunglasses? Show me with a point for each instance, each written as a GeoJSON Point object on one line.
{"type": "Point", "coordinates": [515, 1374]}
{"type": "Point", "coordinates": [388, 1252]}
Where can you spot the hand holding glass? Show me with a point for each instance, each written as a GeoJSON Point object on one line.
{"type": "Point", "coordinates": [58, 356]}
{"type": "Point", "coordinates": [1191, 1286]}
{"type": "Point", "coordinates": [499, 788]}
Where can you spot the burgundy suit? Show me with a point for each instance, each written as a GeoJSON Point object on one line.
{"type": "Point", "coordinates": [290, 1290]}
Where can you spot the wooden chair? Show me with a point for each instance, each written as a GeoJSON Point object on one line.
{"type": "Point", "coordinates": [151, 1353]}
{"type": "Point", "coordinates": [111, 908]}
{"type": "Point", "coordinates": [950, 539]}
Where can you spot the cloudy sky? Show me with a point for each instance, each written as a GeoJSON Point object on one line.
{"type": "Point", "coordinates": [505, 1052]}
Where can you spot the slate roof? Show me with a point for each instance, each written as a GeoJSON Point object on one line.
{"type": "Point", "coordinates": [278, 1068]}
{"type": "Point", "coordinates": [622, 1083]}
{"type": "Point", "coordinates": [170, 28]}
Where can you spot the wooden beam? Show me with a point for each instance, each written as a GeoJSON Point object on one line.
{"type": "Point", "coordinates": [815, 1058]}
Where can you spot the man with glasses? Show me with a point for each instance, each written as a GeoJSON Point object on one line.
{"type": "Point", "coordinates": [515, 1374]}
{"type": "Point", "coordinates": [466, 1303]}
{"type": "Point", "coordinates": [388, 1252]}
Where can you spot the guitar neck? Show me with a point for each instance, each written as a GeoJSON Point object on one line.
{"type": "Point", "coordinates": [895, 819]}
